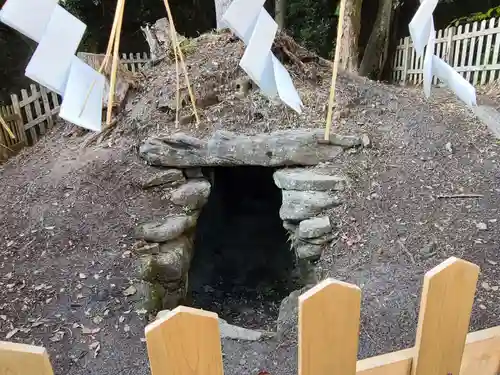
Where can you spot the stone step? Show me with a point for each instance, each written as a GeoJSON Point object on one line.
{"type": "Point", "coordinates": [302, 179]}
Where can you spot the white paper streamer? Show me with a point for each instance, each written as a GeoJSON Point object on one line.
{"type": "Point", "coordinates": [252, 24]}
{"type": "Point", "coordinates": [54, 64]}
{"type": "Point", "coordinates": [423, 35]}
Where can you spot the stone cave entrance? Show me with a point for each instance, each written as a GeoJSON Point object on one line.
{"type": "Point", "coordinates": [243, 262]}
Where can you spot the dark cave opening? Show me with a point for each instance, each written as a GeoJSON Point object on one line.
{"type": "Point", "coordinates": [243, 263]}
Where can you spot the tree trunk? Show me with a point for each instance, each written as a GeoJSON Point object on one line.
{"type": "Point", "coordinates": [280, 9]}
{"type": "Point", "coordinates": [349, 52]}
{"type": "Point", "coordinates": [377, 47]}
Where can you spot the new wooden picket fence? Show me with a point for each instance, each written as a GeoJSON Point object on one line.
{"type": "Point", "coordinates": [186, 341]}
{"type": "Point", "coordinates": [473, 49]}
{"type": "Point", "coordinates": [31, 114]}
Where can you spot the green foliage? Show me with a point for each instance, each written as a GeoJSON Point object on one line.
{"type": "Point", "coordinates": [191, 18]}
{"type": "Point", "coordinates": [313, 23]}
{"type": "Point", "coordinates": [476, 17]}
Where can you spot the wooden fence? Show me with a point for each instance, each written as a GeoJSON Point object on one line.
{"type": "Point", "coordinates": [186, 341]}
{"type": "Point", "coordinates": [472, 49]}
{"type": "Point", "coordinates": [31, 113]}
{"type": "Point", "coordinates": [135, 62]}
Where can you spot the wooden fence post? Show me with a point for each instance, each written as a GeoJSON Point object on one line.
{"type": "Point", "coordinates": [24, 359]}
{"type": "Point", "coordinates": [38, 107]}
{"type": "Point", "coordinates": [443, 323]}
{"type": "Point", "coordinates": [17, 110]}
{"type": "Point", "coordinates": [406, 59]}
{"type": "Point", "coordinates": [186, 341]}
{"type": "Point", "coordinates": [329, 328]}
{"type": "Point", "coordinates": [46, 107]}
{"type": "Point", "coordinates": [448, 56]}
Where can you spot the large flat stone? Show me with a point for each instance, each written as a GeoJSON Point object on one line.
{"type": "Point", "coordinates": [166, 230]}
{"type": "Point", "coordinates": [164, 177]}
{"type": "Point", "coordinates": [193, 194]}
{"type": "Point", "coordinates": [283, 148]}
{"type": "Point", "coordinates": [308, 180]}
{"type": "Point", "coordinates": [314, 228]}
{"type": "Point", "coordinates": [302, 205]}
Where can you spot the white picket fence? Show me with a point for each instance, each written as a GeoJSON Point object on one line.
{"type": "Point", "coordinates": [472, 49]}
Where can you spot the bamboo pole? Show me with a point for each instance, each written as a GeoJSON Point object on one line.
{"type": "Point", "coordinates": [181, 56]}
{"type": "Point", "coordinates": [177, 77]}
{"type": "Point", "coordinates": [331, 100]}
{"type": "Point", "coordinates": [114, 66]}
{"type": "Point", "coordinates": [105, 61]}
{"type": "Point", "coordinates": [6, 127]}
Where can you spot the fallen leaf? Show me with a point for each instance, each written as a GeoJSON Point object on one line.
{"type": "Point", "coordinates": [126, 328]}
{"type": "Point", "coordinates": [130, 291]}
{"type": "Point", "coordinates": [141, 311]}
{"type": "Point", "coordinates": [3, 317]}
{"type": "Point", "coordinates": [58, 336]}
{"type": "Point", "coordinates": [25, 330]}
{"type": "Point", "coordinates": [96, 347]}
{"type": "Point", "coordinates": [82, 276]}
{"type": "Point", "coordinates": [90, 331]}
{"type": "Point", "coordinates": [11, 333]}
{"type": "Point", "coordinates": [8, 276]}
{"type": "Point", "coordinates": [121, 319]}
{"type": "Point", "coordinates": [97, 319]}
{"type": "Point", "coordinates": [36, 324]}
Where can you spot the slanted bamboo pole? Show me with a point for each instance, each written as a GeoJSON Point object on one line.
{"type": "Point", "coordinates": [114, 66]}
{"type": "Point", "coordinates": [183, 65]}
{"type": "Point", "coordinates": [331, 100]}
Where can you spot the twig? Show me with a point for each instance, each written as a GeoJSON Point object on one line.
{"type": "Point", "coordinates": [460, 196]}
{"type": "Point", "coordinates": [8, 148]}
{"type": "Point", "coordinates": [406, 251]}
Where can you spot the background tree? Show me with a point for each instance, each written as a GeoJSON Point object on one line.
{"type": "Point", "coordinates": [349, 54]}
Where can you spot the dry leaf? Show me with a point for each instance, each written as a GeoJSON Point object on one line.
{"type": "Point", "coordinates": [141, 311]}
{"type": "Point", "coordinates": [90, 331]}
{"type": "Point", "coordinates": [126, 328]}
{"type": "Point", "coordinates": [130, 291]}
{"type": "Point", "coordinates": [97, 319]}
{"type": "Point", "coordinates": [96, 347]}
{"type": "Point", "coordinates": [121, 319]}
{"type": "Point", "coordinates": [36, 324]}
{"type": "Point", "coordinates": [3, 317]}
{"type": "Point", "coordinates": [25, 330]}
{"type": "Point", "coordinates": [58, 336]}
{"type": "Point", "coordinates": [82, 276]}
{"type": "Point", "coordinates": [11, 333]}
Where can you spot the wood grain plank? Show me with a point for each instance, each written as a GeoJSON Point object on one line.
{"type": "Point", "coordinates": [185, 342]}
{"type": "Point", "coordinates": [445, 308]}
{"type": "Point", "coordinates": [329, 317]}
{"type": "Point", "coordinates": [20, 359]}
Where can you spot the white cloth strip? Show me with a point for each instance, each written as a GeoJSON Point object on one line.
{"type": "Point", "coordinates": [81, 78]}
{"type": "Point", "coordinates": [29, 17]}
{"type": "Point", "coordinates": [423, 35]}
{"type": "Point", "coordinates": [251, 23]}
{"type": "Point", "coordinates": [50, 64]}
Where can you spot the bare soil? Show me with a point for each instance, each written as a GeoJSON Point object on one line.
{"type": "Point", "coordinates": [68, 213]}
